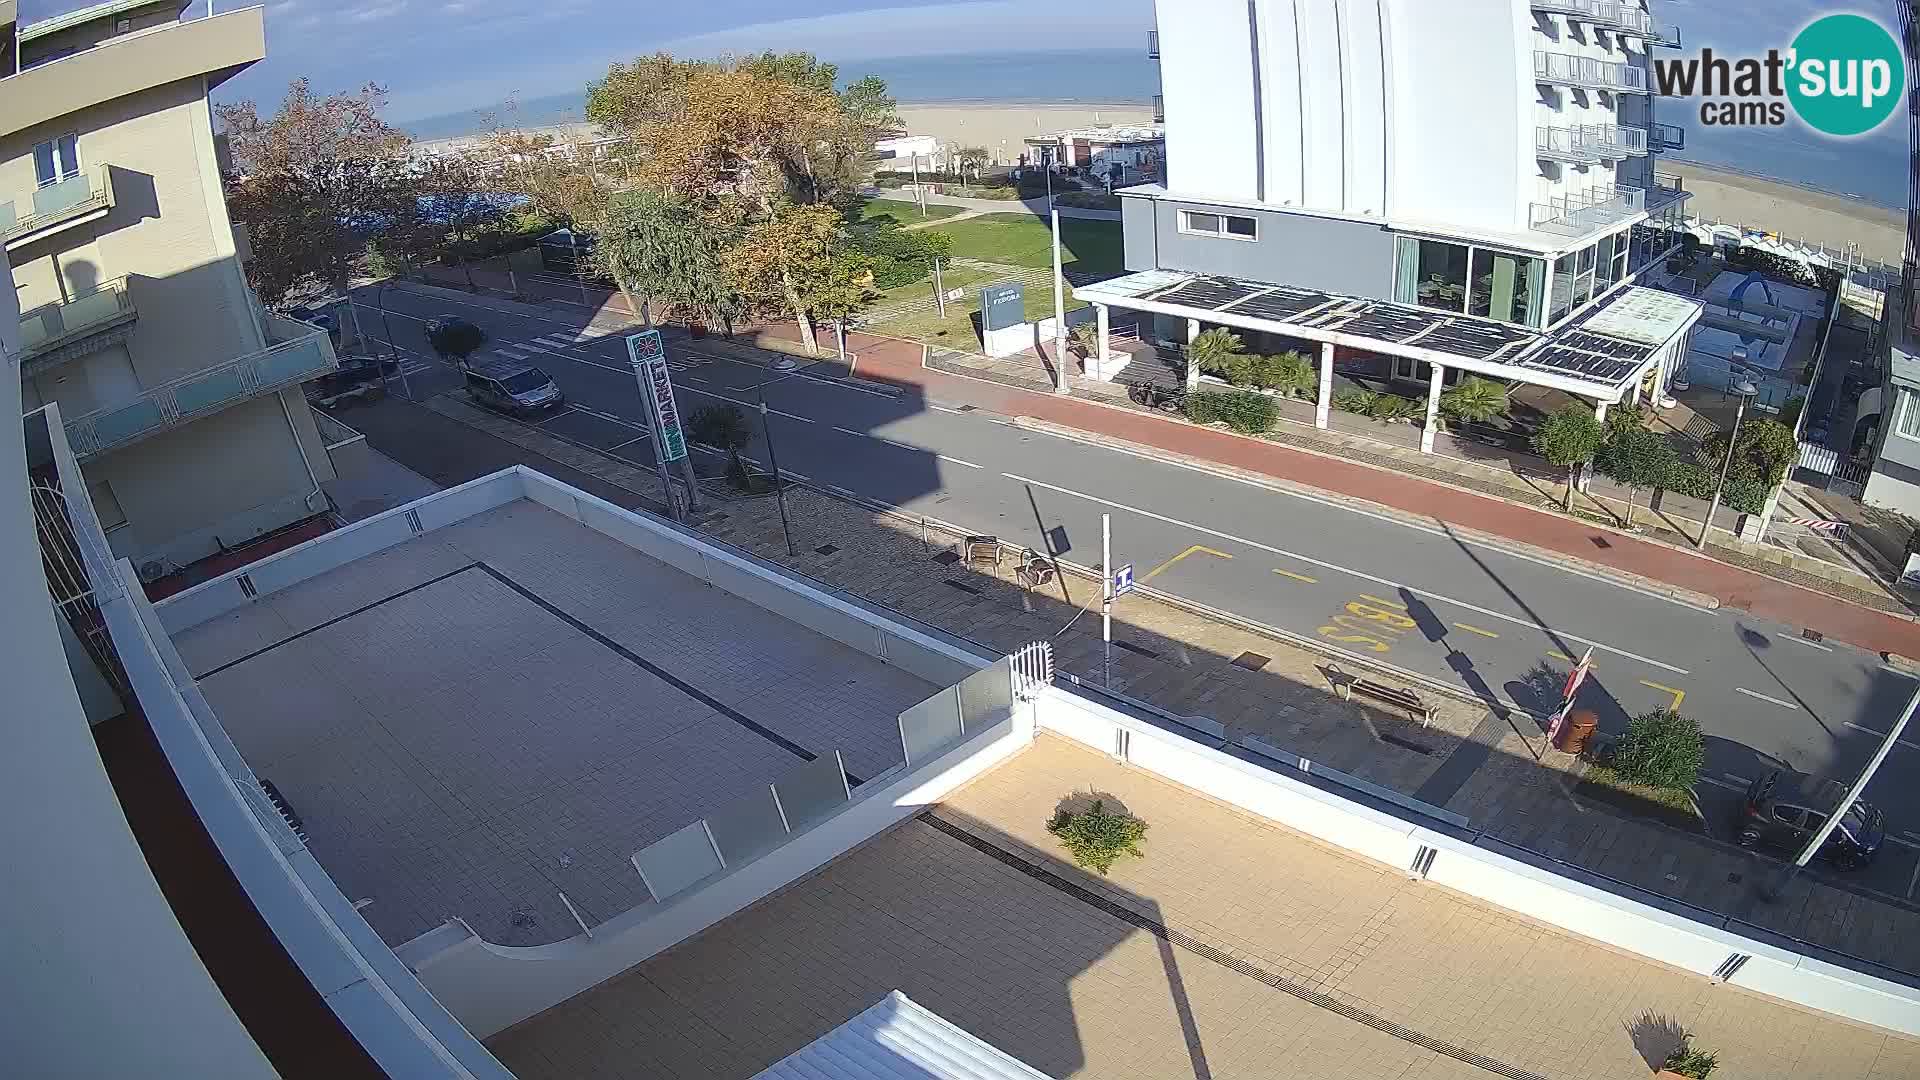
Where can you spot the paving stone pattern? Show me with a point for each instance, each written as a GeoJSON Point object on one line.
{"type": "Point", "coordinates": [1078, 991]}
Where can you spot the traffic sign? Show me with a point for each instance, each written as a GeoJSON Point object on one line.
{"type": "Point", "coordinates": [1123, 580]}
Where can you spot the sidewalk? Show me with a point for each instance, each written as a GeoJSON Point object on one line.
{"type": "Point", "coordinates": [1496, 773]}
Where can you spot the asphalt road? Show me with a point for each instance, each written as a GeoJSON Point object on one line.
{"type": "Point", "coordinates": [1499, 623]}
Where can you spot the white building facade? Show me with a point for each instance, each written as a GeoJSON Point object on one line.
{"type": "Point", "coordinates": [1486, 158]}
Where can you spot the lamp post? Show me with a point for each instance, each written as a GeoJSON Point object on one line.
{"type": "Point", "coordinates": [1059, 316]}
{"type": "Point", "coordinates": [1746, 390]}
{"type": "Point", "coordinates": [773, 462]}
{"type": "Point", "coordinates": [1839, 813]}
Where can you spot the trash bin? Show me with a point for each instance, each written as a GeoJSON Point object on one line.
{"type": "Point", "coordinates": [1578, 730]}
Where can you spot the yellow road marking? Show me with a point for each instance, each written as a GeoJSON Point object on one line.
{"type": "Point", "coordinates": [1296, 577]}
{"type": "Point", "coordinates": [1475, 630]}
{"type": "Point", "coordinates": [1379, 600]}
{"type": "Point", "coordinates": [1569, 659]}
{"type": "Point", "coordinates": [1678, 695]}
{"type": "Point", "coordinates": [1197, 548]}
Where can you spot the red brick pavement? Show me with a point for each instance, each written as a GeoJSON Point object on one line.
{"type": "Point", "coordinates": [900, 362]}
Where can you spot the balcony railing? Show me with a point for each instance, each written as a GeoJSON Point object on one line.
{"type": "Point", "coordinates": [1153, 44]}
{"type": "Point", "coordinates": [1588, 144]}
{"type": "Point", "coordinates": [1582, 212]}
{"type": "Point", "coordinates": [200, 394]}
{"type": "Point", "coordinates": [1586, 72]}
{"type": "Point", "coordinates": [1614, 141]}
{"type": "Point", "coordinates": [56, 204]}
{"type": "Point", "coordinates": [1667, 189]}
{"type": "Point", "coordinates": [51, 326]}
{"type": "Point", "coordinates": [1667, 136]}
{"type": "Point", "coordinates": [1615, 15]}
{"type": "Point", "coordinates": [1159, 109]}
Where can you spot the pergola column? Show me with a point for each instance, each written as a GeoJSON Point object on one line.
{"type": "Point", "coordinates": [1323, 407]}
{"type": "Point", "coordinates": [1633, 394]}
{"type": "Point", "coordinates": [1193, 371]}
{"type": "Point", "coordinates": [1101, 320]}
{"type": "Point", "coordinates": [1433, 407]}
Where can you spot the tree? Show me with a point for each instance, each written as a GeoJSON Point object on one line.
{"type": "Point", "coordinates": [1765, 451]}
{"type": "Point", "coordinates": [1568, 438]}
{"type": "Point", "coordinates": [724, 427]}
{"type": "Point", "coordinates": [800, 260]}
{"type": "Point", "coordinates": [1097, 838]}
{"type": "Point", "coordinates": [1637, 458]}
{"type": "Point", "coordinates": [1214, 351]}
{"type": "Point", "coordinates": [457, 338]}
{"type": "Point", "coordinates": [671, 251]}
{"type": "Point", "coordinates": [1661, 749]}
{"type": "Point", "coordinates": [315, 183]}
{"type": "Point", "coordinates": [461, 210]}
{"type": "Point", "coordinates": [972, 159]}
{"type": "Point", "coordinates": [1474, 400]}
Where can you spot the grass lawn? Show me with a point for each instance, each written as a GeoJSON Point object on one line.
{"type": "Point", "coordinates": [1675, 806]}
{"type": "Point", "coordinates": [904, 213]}
{"type": "Point", "coordinates": [1025, 240]}
{"type": "Point", "coordinates": [956, 331]}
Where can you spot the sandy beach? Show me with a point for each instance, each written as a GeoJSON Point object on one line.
{"type": "Point", "coordinates": [1797, 212]}
{"type": "Point", "coordinates": [1000, 127]}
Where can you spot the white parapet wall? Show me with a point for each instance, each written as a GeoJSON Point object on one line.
{"type": "Point", "coordinates": [492, 987]}
{"type": "Point", "coordinates": [1672, 935]}
{"type": "Point", "coordinates": [888, 638]}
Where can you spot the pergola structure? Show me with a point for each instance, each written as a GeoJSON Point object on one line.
{"type": "Point", "coordinates": [1605, 354]}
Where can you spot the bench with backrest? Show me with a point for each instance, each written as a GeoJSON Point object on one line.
{"type": "Point", "coordinates": [1389, 695]}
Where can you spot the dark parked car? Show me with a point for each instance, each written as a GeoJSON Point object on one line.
{"type": "Point", "coordinates": [1783, 810]}
{"type": "Point", "coordinates": [513, 387]}
{"type": "Point", "coordinates": [454, 338]}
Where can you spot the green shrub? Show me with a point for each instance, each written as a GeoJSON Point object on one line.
{"type": "Point", "coordinates": [1689, 1062]}
{"type": "Point", "coordinates": [1242, 410]}
{"type": "Point", "coordinates": [1390, 408]}
{"type": "Point", "coordinates": [1474, 400]}
{"type": "Point", "coordinates": [1745, 494]}
{"type": "Point", "coordinates": [1690, 478]}
{"type": "Point", "coordinates": [1289, 372]}
{"type": "Point", "coordinates": [1355, 399]}
{"type": "Point", "coordinates": [1219, 352]}
{"type": "Point", "coordinates": [1097, 839]}
{"type": "Point", "coordinates": [1661, 749]}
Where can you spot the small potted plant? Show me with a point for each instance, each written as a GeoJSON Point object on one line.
{"type": "Point", "coordinates": [1096, 838]}
{"type": "Point", "coordinates": [1685, 1061]}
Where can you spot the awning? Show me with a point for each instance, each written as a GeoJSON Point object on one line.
{"type": "Point", "coordinates": [1598, 355]}
{"type": "Point", "coordinates": [898, 1040]}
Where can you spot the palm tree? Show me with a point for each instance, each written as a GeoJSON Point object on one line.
{"type": "Point", "coordinates": [1474, 400]}
{"type": "Point", "coordinates": [724, 427]}
{"type": "Point", "coordinates": [1214, 351]}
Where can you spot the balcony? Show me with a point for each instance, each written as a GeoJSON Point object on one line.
{"type": "Point", "coordinates": [1588, 73]}
{"type": "Point", "coordinates": [1583, 212]}
{"type": "Point", "coordinates": [1667, 137]}
{"type": "Point", "coordinates": [1159, 108]}
{"type": "Point", "coordinates": [1615, 142]}
{"type": "Point", "coordinates": [55, 333]}
{"type": "Point", "coordinates": [79, 198]}
{"type": "Point", "coordinates": [1616, 16]}
{"type": "Point", "coordinates": [1667, 189]}
{"type": "Point", "coordinates": [1153, 44]}
{"type": "Point", "coordinates": [202, 393]}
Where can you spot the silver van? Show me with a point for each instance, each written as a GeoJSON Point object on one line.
{"type": "Point", "coordinates": [513, 388]}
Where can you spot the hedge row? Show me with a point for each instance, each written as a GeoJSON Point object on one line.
{"type": "Point", "coordinates": [1242, 410]}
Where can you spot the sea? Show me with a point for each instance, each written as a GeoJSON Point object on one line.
{"type": "Point", "coordinates": [1871, 168]}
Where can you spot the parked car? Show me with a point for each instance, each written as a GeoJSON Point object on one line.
{"type": "Point", "coordinates": [454, 338]}
{"type": "Point", "coordinates": [356, 377]}
{"type": "Point", "coordinates": [1783, 810]}
{"type": "Point", "coordinates": [513, 388]}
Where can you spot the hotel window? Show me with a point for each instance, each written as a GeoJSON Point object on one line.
{"type": "Point", "coordinates": [1604, 266]}
{"type": "Point", "coordinates": [1583, 280]}
{"type": "Point", "coordinates": [1563, 275]}
{"type": "Point", "coordinates": [1506, 287]}
{"type": "Point", "coordinates": [1909, 425]}
{"type": "Point", "coordinates": [1433, 274]}
{"type": "Point", "coordinates": [1230, 226]}
{"type": "Point", "coordinates": [56, 159]}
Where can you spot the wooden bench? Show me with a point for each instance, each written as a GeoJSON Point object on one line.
{"type": "Point", "coordinates": [1389, 695]}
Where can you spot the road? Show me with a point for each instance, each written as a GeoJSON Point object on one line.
{"type": "Point", "coordinates": [1499, 623]}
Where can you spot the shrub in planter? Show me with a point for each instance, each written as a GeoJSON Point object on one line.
{"type": "Point", "coordinates": [1392, 408]}
{"type": "Point", "coordinates": [1289, 373]}
{"type": "Point", "coordinates": [1661, 749]}
{"type": "Point", "coordinates": [1690, 478]}
{"type": "Point", "coordinates": [1096, 838]}
{"type": "Point", "coordinates": [1242, 410]}
{"type": "Point", "coordinates": [1220, 352]}
{"type": "Point", "coordinates": [1474, 401]}
{"type": "Point", "coordinates": [1355, 400]}
{"type": "Point", "coordinates": [1688, 1062]}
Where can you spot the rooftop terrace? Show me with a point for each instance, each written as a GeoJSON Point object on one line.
{"type": "Point", "coordinates": [511, 706]}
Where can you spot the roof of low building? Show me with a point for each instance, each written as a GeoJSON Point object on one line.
{"type": "Point", "coordinates": [1129, 133]}
{"type": "Point", "coordinates": [897, 1039]}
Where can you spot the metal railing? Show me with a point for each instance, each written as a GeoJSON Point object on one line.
{"type": "Point", "coordinates": [1153, 44]}
{"type": "Point", "coordinates": [1615, 141]}
{"type": "Point", "coordinates": [1159, 109]}
{"type": "Point", "coordinates": [52, 203]}
{"type": "Point", "coordinates": [201, 393]}
{"type": "Point", "coordinates": [1587, 72]}
{"type": "Point", "coordinates": [1032, 669]}
{"type": "Point", "coordinates": [1667, 136]}
{"type": "Point", "coordinates": [1614, 15]}
{"type": "Point", "coordinates": [51, 325]}
{"type": "Point", "coordinates": [1562, 144]}
{"type": "Point", "coordinates": [1579, 212]}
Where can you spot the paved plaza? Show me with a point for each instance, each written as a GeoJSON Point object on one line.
{"type": "Point", "coordinates": [1234, 949]}
{"type": "Point", "coordinates": [482, 717]}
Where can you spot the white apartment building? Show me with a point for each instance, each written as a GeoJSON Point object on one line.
{"type": "Point", "coordinates": [181, 395]}
{"type": "Point", "coordinates": [1487, 159]}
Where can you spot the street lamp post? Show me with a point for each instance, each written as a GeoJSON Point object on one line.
{"type": "Point", "coordinates": [1059, 315]}
{"type": "Point", "coordinates": [405, 386]}
{"type": "Point", "coordinates": [773, 462]}
{"type": "Point", "coordinates": [1746, 390]}
{"type": "Point", "coordinates": [1853, 795]}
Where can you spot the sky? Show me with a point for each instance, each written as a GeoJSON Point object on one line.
{"type": "Point", "coordinates": [439, 56]}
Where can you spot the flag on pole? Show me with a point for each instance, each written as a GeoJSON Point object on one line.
{"type": "Point", "coordinates": [1572, 690]}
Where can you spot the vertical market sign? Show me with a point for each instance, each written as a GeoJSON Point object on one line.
{"type": "Point", "coordinates": [648, 355]}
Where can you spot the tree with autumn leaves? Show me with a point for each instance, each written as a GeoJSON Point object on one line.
{"type": "Point", "coordinates": [747, 157]}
